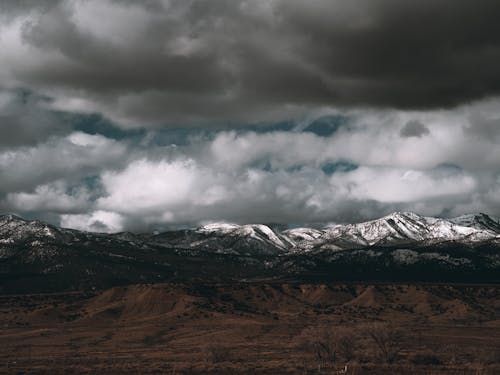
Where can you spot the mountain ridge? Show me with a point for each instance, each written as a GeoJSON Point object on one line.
{"type": "Point", "coordinates": [478, 221]}
{"type": "Point", "coordinates": [399, 246]}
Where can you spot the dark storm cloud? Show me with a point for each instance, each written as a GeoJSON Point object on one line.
{"type": "Point", "coordinates": [178, 61]}
{"type": "Point", "coordinates": [9, 8]}
{"type": "Point", "coordinates": [404, 54]}
{"type": "Point", "coordinates": [24, 120]}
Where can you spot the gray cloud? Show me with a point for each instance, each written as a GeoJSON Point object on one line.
{"type": "Point", "coordinates": [55, 197]}
{"type": "Point", "coordinates": [414, 128]}
{"type": "Point", "coordinates": [484, 127]}
{"type": "Point", "coordinates": [9, 9]}
{"type": "Point", "coordinates": [178, 61]}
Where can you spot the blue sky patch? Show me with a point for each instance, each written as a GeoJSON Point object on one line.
{"type": "Point", "coordinates": [340, 166]}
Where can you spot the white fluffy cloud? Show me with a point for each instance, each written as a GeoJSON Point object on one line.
{"type": "Point", "coordinates": [387, 185]}
{"type": "Point", "coordinates": [153, 187]}
{"type": "Point", "coordinates": [96, 221]}
{"type": "Point", "coordinates": [372, 138]}
{"type": "Point", "coordinates": [54, 197]}
{"type": "Point", "coordinates": [73, 156]}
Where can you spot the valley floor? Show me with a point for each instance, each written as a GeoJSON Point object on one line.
{"type": "Point", "coordinates": [254, 329]}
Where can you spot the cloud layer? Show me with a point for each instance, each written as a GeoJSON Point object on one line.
{"type": "Point", "coordinates": [368, 166]}
{"type": "Point", "coordinates": [120, 115]}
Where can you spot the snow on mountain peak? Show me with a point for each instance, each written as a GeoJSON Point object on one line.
{"type": "Point", "coordinates": [218, 227]}
{"type": "Point", "coordinates": [258, 232]}
{"type": "Point", "coordinates": [303, 234]}
{"type": "Point", "coordinates": [403, 215]}
{"type": "Point", "coordinates": [395, 228]}
{"type": "Point", "coordinates": [404, 227]}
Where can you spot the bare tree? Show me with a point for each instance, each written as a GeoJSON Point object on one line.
{"type": "Point", "coordinates": [346, 344]}
{"type": "Point", "coordinates": [327, 344]}
{"type": "Point", "coordinates": [387, 339]}
{"type": "Point", "coordinates": [321, 342]}
{"type": "Point", "coordinates": [215, 353]}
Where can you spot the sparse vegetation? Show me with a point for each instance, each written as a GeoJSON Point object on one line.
{"type": "Point", "coordinates": [346, 343]}
{"type": "Point", "coordinates": [425, 359]}
{"type": "Point", "coordinates": [162, 327]}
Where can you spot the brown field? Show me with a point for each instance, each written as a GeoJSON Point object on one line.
{"type": "Point", "coordinates": [253, 329]}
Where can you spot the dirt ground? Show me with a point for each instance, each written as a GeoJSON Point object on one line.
{"type": "Point", "coordinates": [252, 329]}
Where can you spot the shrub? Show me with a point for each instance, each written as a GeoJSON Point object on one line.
{"type": "Point", "coordinates": [426, 359]}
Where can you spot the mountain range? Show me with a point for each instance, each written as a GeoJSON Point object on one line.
{"type": "Point", "coordinates": [403, 246]}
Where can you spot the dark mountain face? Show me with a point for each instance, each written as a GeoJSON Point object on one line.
{"type": "Point", "coordinates": [35, 256]}
{"type": "Point", "coordinates": [478, 221]}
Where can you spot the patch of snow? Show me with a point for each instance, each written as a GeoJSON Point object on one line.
{"type": "Point", "coordinates": [48, 232]}
{"type": "Point", "coordinates": [218, 227]}
{"type": "Point", "coordinates": [257, 232]}
{"type": "Point", "coordinates": [269, 234]}
{"type": "Point", "coordinates": [303, 234]}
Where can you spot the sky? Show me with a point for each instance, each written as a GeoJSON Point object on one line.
{"type": "Point", "coordinates": [123, 115]}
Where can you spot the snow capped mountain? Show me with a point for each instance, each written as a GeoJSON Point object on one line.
{"type": "Point", "coordinates": [398, 228]}
{"type": "Point", "coordinates": [39, 235]}
{"type": "Point", "coordinates": [36, 237]}
{"type": "Point", "coordinates": [404, 228]}
{"type": "Point", "coordinates": [13, 227]}
{"type": "Point", "coordinates": [399, 245]}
